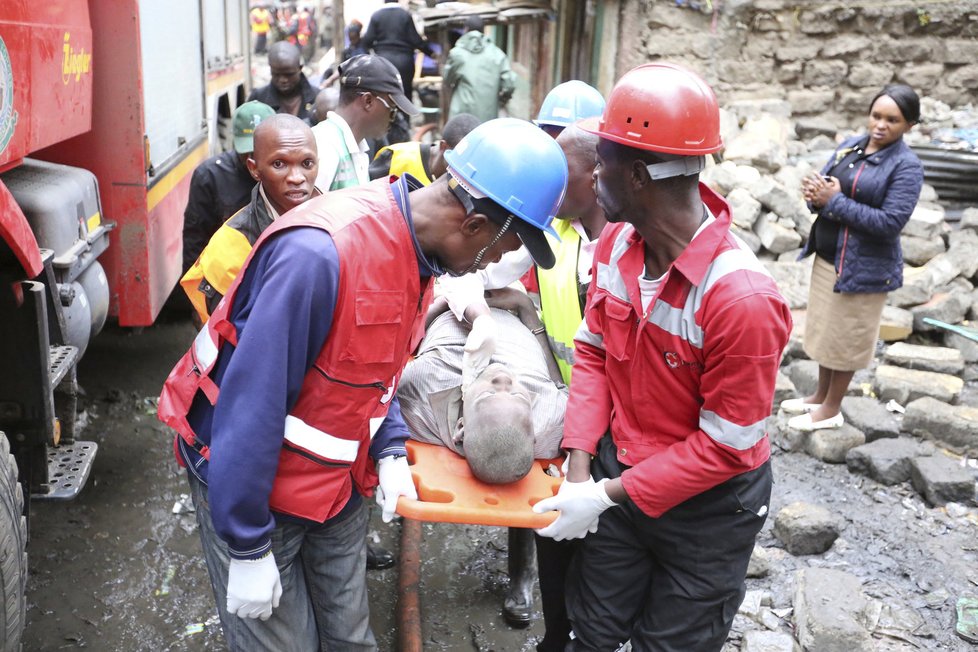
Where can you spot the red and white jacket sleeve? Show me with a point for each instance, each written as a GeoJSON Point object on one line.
{"type": "Point", "coordinates": [589, 405]}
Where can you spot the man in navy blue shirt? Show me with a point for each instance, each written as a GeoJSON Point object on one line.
{"type": "Point", "coordinates": [277, 390]}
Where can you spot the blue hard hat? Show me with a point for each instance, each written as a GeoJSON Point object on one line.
{"type": "Point", "coordinates": [522, 170]}
{"type": "Point", "coordinates": [569, 102]}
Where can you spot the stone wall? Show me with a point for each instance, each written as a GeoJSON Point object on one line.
{"type": "Point", "coordinates": [827, 59]}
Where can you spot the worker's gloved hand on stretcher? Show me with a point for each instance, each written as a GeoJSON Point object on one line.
{"type": "Point", "coordinates": [478, 349]}
{"type": "Point", "coordinates": [580, 505]}
{"type": "Point", "coordinates": [395, 481]}
{"type": "Point", "coordinates": [254, 587]}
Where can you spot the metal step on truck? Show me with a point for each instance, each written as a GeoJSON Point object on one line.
{"type": "Point", "coordinates": [106, 108]}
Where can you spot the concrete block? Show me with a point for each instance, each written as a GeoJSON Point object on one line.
{"type": "Point", "coordinates": [906, 385]}
{"type": "Point", "coordinates": [938, 359]}
{"type": "Point", "coordinates": [887, 460]}
{"type": "Point", "coordinates": [955, 426]}
{"type": "Point", "coordinates": [868, 415]}
{"type": "Point", "coordinates": [806, 529]}
{"type": "Point", "coordinates": [940, 480]}
{"type": "Point", "coordinates": [829, 607]}
{"type": "Point", "coordinates": [832, 445]}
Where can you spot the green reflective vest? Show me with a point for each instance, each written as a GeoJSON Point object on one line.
{"type": "Point", "coordinates": [560, 301]}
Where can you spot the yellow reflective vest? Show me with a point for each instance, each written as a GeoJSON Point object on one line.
{"type": "Point", "coordinates": [209, 278]}
{"type": "Point", "coordinates": [560, 298]}
{"type": "Point", "coordinates": [406, 157]}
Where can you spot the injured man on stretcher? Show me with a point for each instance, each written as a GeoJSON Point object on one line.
{"type": "Point", "coordinates": [508, 415]}
{"type": "Point", "coordinates": [505, 417]}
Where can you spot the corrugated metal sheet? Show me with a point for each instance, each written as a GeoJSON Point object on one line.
{"type": "Point", "coordinates": [953, 173]}
{"type": "Point", "coordinates": [453, 14]}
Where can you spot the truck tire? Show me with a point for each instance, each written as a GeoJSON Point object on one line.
{"type": "Point", "coordinates": [13, 552]}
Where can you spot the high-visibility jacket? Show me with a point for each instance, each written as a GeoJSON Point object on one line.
{"type": "Point", "coordinates": [305, 27]}
{"type": "Point", "coordinates": [560, 296]}
{"type": "Point", "coordinates": [377, 322]}
{"type": "Point", "coordinates": [261, 20]}
{"type": "Point", "coordinates": [686, 384]}
{"type": "Point", "coordinates": [406, 158]}
{"type": "Point", "coordinates": [210, 277]}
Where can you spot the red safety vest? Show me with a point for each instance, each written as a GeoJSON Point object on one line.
{"type": "Point", "coordinates": [305, 27]}
{"type": "Point", "coordinates": [377, 323]}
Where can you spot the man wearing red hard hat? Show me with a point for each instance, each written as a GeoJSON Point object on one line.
{"type": "Point", "coordinates": [669, 477]}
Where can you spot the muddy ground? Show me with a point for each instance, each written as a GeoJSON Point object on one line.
{"type": "Point", "coordinates": [118, 570]}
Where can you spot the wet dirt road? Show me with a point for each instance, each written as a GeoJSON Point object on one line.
{"type": "Point", "coordinates": [118, 570]}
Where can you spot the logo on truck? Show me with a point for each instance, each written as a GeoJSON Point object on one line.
{"type": "Point", "coordinates": [8, 117]}
{"type": "Point", "coordinates": [75, 63]}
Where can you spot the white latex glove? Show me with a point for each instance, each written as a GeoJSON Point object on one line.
{"type": "Point", "coordinates": [580, 505]}
{"type": "Point", "coordinates": [479, 347]}
{"type": "Point", "coordinates": [254, 587]}
{"type": "Point", "coordinates": [395, 481]}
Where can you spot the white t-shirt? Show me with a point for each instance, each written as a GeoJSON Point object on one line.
{"type": "Point", "coordinates": [649, 286]}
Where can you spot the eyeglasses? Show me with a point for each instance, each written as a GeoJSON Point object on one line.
{"type": "Point", "coordinates": [391, 109]}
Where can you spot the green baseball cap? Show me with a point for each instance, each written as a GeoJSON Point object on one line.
{"type": "Point", "coordinates": [246, 118]}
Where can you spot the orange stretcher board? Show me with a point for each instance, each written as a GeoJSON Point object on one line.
{"type": "Point", "coordinates": [449, 493]}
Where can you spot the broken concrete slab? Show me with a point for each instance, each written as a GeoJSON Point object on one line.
{"type": "Point", "coordinates": [870, 416]}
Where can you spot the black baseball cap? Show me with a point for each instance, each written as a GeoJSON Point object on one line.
{"type": "Point", "coordinates": [369, 72]}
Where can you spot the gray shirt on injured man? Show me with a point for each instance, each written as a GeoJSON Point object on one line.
{"type": "Point", "coordinates": [430, 390]}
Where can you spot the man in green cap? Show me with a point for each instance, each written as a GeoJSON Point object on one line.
{"type": "Point", "coordinates": [221, 185]}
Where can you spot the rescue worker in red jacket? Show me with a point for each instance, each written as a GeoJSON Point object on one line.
{"type": "Point", "coordinates": [668, 477]}
{"type": "Point", "coordinates": [285, 405]}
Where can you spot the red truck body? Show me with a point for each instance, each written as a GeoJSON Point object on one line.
{"type": "Point", "coordinates": [82, 105]}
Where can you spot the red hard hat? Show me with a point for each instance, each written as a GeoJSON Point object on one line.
{"type": "Point", "coordinates": [661, 107]}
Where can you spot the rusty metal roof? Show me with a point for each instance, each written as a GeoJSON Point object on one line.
{"type": "Point", "coordinates": [453, 14]}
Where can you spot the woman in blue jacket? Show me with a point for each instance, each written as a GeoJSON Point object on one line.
{"type": "Point", "coordinates": [864, 197]}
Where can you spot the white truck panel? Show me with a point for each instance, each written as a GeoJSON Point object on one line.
{"type": "Point", "coordinates": [173, 75]}
{"type": "Point", "coordinates": [215, 34]}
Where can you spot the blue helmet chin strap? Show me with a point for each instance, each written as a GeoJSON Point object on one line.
{"type": "Point", "coordinates": [469, 204]}
{"type": "Point", "coordinates": [482, 252]}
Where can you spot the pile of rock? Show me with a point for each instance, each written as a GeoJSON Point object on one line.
{"type": "Point", "coordinates": [911, 418]}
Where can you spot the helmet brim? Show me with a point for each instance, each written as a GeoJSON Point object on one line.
{"type": "Point", "coordinates": [536, 243]}
{"type": "Point", "coordinates": [593, 126]}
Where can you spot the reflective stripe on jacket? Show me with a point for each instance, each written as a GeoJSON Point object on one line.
{"type": "Point", "coordinates": [345, 396]}
{"type": "Point", "coordinates": [560, 299]}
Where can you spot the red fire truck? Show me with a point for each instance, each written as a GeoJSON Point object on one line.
{"type": "Point", "coordinates": [106, 107]}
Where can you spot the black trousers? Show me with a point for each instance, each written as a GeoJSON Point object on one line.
{"type": "Point", "coordinates": [553, 561]}
{"type": "Point", "coordinates": [400, 130]}
{"type": "Point", "coordinates": [667, 584]}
